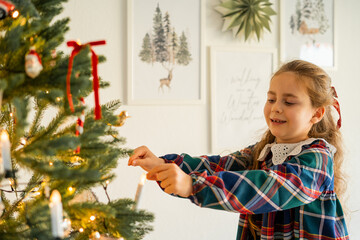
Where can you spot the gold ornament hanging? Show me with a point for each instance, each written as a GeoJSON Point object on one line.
{"type": "Point", "coordinates": [121, 119]}
{"type": "Point", "coordinates": [246, 17]}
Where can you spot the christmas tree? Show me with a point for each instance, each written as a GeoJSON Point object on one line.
{"type": "Point", "coordinates": [70, 154]}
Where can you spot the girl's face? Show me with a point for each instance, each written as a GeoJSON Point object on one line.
{"type": "Point", "coordinates": [288, 110]}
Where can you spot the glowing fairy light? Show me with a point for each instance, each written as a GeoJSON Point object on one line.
{"type": "Point", "coordinates": [71, 189]}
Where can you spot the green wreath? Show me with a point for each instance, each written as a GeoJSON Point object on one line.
{"type": "Point", "coordinates": [246, 17]}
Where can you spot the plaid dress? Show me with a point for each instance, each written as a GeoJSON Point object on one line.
{"type": "Point", "coordinates": [292, 200]}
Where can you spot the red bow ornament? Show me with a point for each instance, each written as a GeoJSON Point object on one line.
{"type": "Point", "coordinates": [94, 61]}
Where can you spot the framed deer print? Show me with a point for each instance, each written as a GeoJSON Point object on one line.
{"type": "Point", "coordinates": [307, 31]}
{"type": "Point", "coordinates": [239, 82]}
{"type": "Point", "coordinates": [165, 52]}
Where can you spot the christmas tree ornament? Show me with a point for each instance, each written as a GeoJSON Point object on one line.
{"type": "Point", "coordinates": [6, 155]}
{"type": "Point", "coordinates": [139, 190]}
{"type": "Point", "coordinates": [67, 227]}
{"type": "Point", "coordinates": [53, 56]}
{"type": "Point", "coordinates": [94, 61]}
{"type": "Point", "coordinates": [80, 124]}
{"type": "Point", "coordinates": [56, 212]}
{"type": "Point", "coordinates": [246, 17]}
{"type": "Point", "coordinates": [85, 196]}
{"type": "Point", "coordinates": [95, 235]}
{"type": "Point", "coordinates": [7, 9]}
{"type": "Point", "coordinates": [45, 187]}
{"type": "Point", "coordinates": [33, 65]}
{"type": "Point", "coordinates": [121, 119]}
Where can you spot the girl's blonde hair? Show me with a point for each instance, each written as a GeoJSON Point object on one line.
{"type": "Point", "coordinates": [318, 86]}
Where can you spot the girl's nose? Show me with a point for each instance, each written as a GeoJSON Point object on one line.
{"type": "Point", "coordinates": [276, 107]}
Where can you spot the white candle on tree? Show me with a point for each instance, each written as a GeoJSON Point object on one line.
{"type": "Point", "coordinates": [5, 153]}
{"type": "Point", "coordinates": [139, 189]}
{"type": "Point", "coordinates": [56, 211]}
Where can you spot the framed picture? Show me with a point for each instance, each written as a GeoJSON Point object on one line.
{"type": "Point", "coordinates": [239, 84]}
{"type": "Point", "coordinates": [165, 52]}
{"type": "Point", "coordinates": [307, 31]}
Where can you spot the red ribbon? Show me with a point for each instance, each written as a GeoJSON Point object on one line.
{"type": "Point", "coordinates": [337, 107]}
{"type": "Point", "coordinates": [94, 61]}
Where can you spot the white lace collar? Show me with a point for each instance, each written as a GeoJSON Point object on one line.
{"type": "Point", "coordinates": [281, 151]}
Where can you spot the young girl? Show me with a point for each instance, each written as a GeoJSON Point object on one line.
{"type": "Point", "coordinates": [284, 186]}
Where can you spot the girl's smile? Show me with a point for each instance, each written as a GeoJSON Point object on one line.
{"type": "Point", "coordinates": [276, 121]}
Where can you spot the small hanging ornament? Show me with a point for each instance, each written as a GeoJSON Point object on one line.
{"type": "Point", "coordinates": [7, 9]}
{"type": "Point", "coordinates": [53, 56]}
{"type": "Point", "coordinates": [121, 119]}
{"type": "Point", "coordinates": [33, 65]}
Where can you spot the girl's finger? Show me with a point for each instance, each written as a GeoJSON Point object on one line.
{"type": "Point", "coordinates": [138, 153]}
{"type": "Point", "coordinates": [151, 174]}
{"type": "Point", "coordinates": [164, 174]}
{"type": "Point", "coordinates": [166, 183]}
{"type": "Point", "coordinates": [138, 162]}
{"type": "Point", "coordinates": [170, 189]}
{"type": "Point", "coordinates": [151, 178]}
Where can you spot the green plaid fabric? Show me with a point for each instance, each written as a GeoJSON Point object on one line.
{"type": "Point", "coordinates": [292, 200]}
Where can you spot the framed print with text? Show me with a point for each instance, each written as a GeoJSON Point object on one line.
{"type": "Point", "coordinates": [239, 83]}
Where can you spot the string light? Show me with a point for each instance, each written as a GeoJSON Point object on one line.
{"type": "Point", "coordinates": [58, 99]}
{"type": "Point", "coordinates": [11, 114]}
{"type": "Point", "coordinates": [71, 189]}
{"type": "Point", "coordinates": [107, 182]}
{"type": "Point", "coordinates": [92, 218]}
{"type": "Point", "coordinates": [51, 163]}
{"type": "Point", "coordinates": [15, 14]}
{"type": "Point", "coordinates": [23, 141]}
{"type": "Point", "coordinates": [81, 230]}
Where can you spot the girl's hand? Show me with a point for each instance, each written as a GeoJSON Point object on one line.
{"type": "Point", "coordinates": [173, 179]}
{"type": "Point", "coordinates": [144, 158]}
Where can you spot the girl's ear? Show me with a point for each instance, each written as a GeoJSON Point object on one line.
{"type": "Point", "coordinates": [318, 115]}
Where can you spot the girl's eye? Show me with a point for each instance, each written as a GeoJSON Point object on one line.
{"type": "Point", "coordinates": [289, 103]}
{"type": "Point", "coordinates": [271, 100]}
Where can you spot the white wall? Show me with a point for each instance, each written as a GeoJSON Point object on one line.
{"type": "Point", "coordinates": [186, 128]}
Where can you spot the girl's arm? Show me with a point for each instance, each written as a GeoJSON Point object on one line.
{"type": "Point", "coordinates": [236, 161]}
{"type": "Point", "coordinates": [173, 176]}
{"type": "Point", "coordinates": [296, 182]}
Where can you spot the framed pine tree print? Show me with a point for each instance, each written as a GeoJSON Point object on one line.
{"type": "Point", "coordinates": [165, 52]}
{"type": "Point", "coordinates": [307, 31]}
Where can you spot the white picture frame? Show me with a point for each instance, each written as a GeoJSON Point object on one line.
{"type": "Point", "coordinates": [239, 82]}
{"type": "Point", "coordinates": [307, 32]}
{"type": "Point", "coordinates": [151, 79]}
